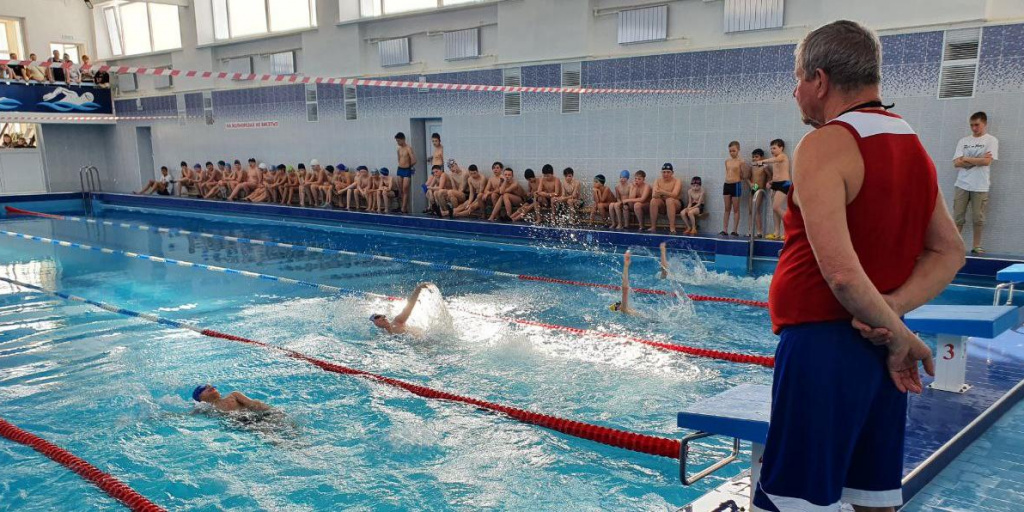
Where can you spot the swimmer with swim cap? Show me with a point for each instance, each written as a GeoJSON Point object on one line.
{"type": "Point", "coordinates": [235, 401]}
{"type": "Point", "coordinates": [623, 305]}
{"type": "Point", "coordinates": [397, 326]}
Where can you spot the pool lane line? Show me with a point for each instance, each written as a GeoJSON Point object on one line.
{"type": "Point", "coordinates": [618, 438]}
{"type": "Point", "coordinates": [766, 361]}
{"type": "Point", "coordinates": [102, 480]}
{"type": "Point", "coordinates": [436, 266]}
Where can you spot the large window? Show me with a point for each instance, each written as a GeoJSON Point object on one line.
{"type": "Point", "coordinates": [141, 27]}
{"type": "Point", "coordinates": [223, 20]}
{"type": "Point", "coordinates": [10, 38]}
{"type": "Point", "coordinates": [370, 8]}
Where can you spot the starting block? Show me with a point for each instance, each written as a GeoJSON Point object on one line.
{"type": "Point", "coordinates": [741, 413]}
{"type": "Point", "coordinates": [954, 325]}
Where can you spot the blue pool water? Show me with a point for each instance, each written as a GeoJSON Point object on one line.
{"type": "Point", "coordinates": [115, 390]}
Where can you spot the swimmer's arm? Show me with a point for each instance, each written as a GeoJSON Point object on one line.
{"type": "Point", "coordinates": [937, 266]}
{"type": "Point", "coordinates": [625, 282]}
{"type": "Point", "coordinates": [646, 196]}
{"type": "Point", "coordinates": [677, 189]}
{"type": "Point", "coordinates": [410, 304]}
{"type": "Point", "coordinates": [249, 403]}
{"type": "Point", "coordinates": [412, 157]}
{"type": "Point", "coordinates": [664, 261]}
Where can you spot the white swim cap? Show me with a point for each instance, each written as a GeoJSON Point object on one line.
{"type": "Point", "coordinates": [263, 166]}
{"type": "Point", "coordinates": [314, 162]}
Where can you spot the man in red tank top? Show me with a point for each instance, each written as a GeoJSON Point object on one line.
{"type": "Point", "coordinates": [868, 238]}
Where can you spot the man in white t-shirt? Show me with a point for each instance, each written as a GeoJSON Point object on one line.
{"type": "Point", "coordinates": [974, 155]}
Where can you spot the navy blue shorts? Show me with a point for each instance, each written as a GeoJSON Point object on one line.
{"type": "Point", "coordinates": [837, 423]}
{"type": "Point", "coordinates": [732, 189]}
{"type": "Point", "coordinates": [404, 172]}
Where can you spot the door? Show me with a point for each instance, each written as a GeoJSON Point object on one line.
{"type": "Point", "coordinates": [144, 143]}
{"type": "Point", "coordinates": [429, 127]}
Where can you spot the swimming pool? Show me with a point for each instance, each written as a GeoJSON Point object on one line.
{"type": "Point", "coordinates": [116, 390]}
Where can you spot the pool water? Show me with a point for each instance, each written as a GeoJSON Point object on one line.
{"type": "Point", "coordinates": [116, 390]}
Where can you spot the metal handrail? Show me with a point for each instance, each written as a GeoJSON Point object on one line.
{"type": "Point", "coordinates": [89, 179]}
{"type": "Point", "coordinates": [684, 449]}
{"type": "Point", "coordinates": [753, 204]}
{"type": "Point", "coordinates": [998, 291]}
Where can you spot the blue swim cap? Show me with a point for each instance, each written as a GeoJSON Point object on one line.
{"type": "Point", "coordinates": [341, 167]}
{"type": "Point", "coordinates": [624, 174]}
{"type": "Point", "coordinates": [198, 391]}
{"type": "Point", "coordinates": [384, 171]}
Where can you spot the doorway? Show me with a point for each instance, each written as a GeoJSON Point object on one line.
{"type": "Point", "coordinates": [144, 144]}
{"type": "Point", "coordinates": [419, 137]}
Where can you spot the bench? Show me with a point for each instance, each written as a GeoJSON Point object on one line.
{"type": "Point", "coordinates": [1009, 276]}
{"type": "Point", "coordinates": [954, 325]}
{"type": "Point", "coordinates": [662, 219]}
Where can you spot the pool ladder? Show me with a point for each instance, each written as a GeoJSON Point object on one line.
{"type": "Point", "coordinates": [753, 204]}
{"type": "Point", "coordinates": [89, 178]}
{"type": "Point", "coordinates": [999, 291]}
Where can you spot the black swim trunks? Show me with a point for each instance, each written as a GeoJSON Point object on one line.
{"type": "Point", "coordinates": [781, 186]}
{"type": "Point", "coordinates": [732, 189]}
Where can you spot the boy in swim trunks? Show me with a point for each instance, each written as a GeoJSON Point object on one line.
{"type": "Point", "coordinates": [666, 193]}
{"type": "Point", "coordinates": [572, 197]}
{"type": "Point", "coordinates": [530, 202]}
{"type": "Point", "coordinates": [476, 184]}
{"type": "Point", "coordinates": [387, 190]}
{"type": "Point", "coordinates": [694, 206]}
{"type": "Point", "coordinates": [603, 197]}
{"type": "Point", "coordinates": [512, 195]}
{"type": "Point", "coordinates": [550, 187]}
{"type": "Point", "coordinates": [437, 191]}
{"type": "Point", "coordinates": [758, 181]}
{"type": "Point", "coordinates": [235, 401]}
{"type": "Point", "coordinates": [406, 161]}
{"type": "Point", "coordinates": [398, 325]}
{"type": "Point", "coordinates": [618, 220]}
{"type": "Point", "coordinates": [638, 199]}
{"type": "Point", "coordinates": [780, 183]}
{"type": "Point", "coordinates": [455, 195]}
{"type": "Point", "coordinates": [735, 168]}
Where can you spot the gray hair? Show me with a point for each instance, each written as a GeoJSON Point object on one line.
{"type": "Point", "coordinates": [848, 52]}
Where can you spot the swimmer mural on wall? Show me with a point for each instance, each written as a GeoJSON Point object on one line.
{"type": "Point", "coordinates": [55, 99]}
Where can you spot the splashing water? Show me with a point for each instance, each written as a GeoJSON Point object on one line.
{"type": "Point", "coordinates": [687, 268]}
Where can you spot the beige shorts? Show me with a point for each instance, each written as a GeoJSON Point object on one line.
{"type": "Point", "coordinates": [978, 202]}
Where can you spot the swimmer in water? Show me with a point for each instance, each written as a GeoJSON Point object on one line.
{"type": "Point", "coordinates": [235, 401]}
{"type": "Point", "coordinates": [623, 305]}
{"type": "Point", "coordinates": [664, 262]}
{"type": "Point", "coordinates": [397, 326]}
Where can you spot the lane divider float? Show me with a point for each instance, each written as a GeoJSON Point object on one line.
{"type": "Point", "coordinates": [104, 481]}
{"type": "Point", "coordinates": [642, 443]}
{"type": "Point", "coordinates": [436, 266]}
{"type": "Point", "coordinates": [765, 361]}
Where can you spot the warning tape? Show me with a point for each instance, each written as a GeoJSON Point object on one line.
{"type": "Point", "coordinates": [104, 481]}
{"type": "Point", "coordinates": [643, 443]}
{"type": "Point", "coordinates": [401, 84]}
{"type": "Point", "coordinates": [436, 266]}
{"type": "Point", "coordinates": [700, 352]}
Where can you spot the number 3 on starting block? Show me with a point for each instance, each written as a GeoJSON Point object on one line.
{"type": "Point", "coordinates": [951, 364]}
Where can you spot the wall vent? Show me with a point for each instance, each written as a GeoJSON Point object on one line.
{"type": "Point", "coordinates": [512, 77]}
{"type": "Point", "coordinates": [572, 75]}
{"type": "Point", "coordinates": [746, 15]}
{"type": "Point", "coordinates": [960, 52]}
{"type": "Point", "coordinates": [351, 109]}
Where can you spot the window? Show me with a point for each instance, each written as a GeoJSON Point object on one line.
{"type": "Point", "coordinates": [70, 49]}
{"type": "Point", "coordinates": [223, 20]}
{"type": "Point", "coordinates": [371, 8]}
{"type": "Point", "coordinates": [312, 106]}
{"type": "Point", "coordinates": [141, 27]}
{"type": "Point", "coordinates": [10, 37]}
{"type": "Point", "coordinates": [642, 25]}
{"type": "Point", "coordinates": [247, 17]}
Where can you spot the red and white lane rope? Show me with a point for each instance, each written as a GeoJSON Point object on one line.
{"type": "Point", "coordinates": [643, 443]}
{"type": "Point", "coordinates": [437, 266]}
{"type": "Point", "coordinates": [104, 481]}
{"type": "Point", "coordinates": [401, 84]}
{"type": "Point", "coordinates": [694, 351]}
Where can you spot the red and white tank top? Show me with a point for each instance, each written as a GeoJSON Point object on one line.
{"type": "Point", "coordinates": [887, 222]}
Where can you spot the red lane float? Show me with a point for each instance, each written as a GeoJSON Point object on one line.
{"type": "Point", "coordinates": [643, 443]}
{"type": "Point", "coordinates": [107, 483]}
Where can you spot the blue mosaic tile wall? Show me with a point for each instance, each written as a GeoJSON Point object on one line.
{"type": "Point", "coordinates": [739, 94]}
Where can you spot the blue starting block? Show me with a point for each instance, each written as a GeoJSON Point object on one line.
{"type": "Point", "coordinates": [1009, 276]}
{"type": "Point", "coordinates": [954, 326]}
{"type": "Point", "coordinates": [741, 413]}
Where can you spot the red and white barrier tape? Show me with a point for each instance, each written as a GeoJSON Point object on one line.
{"type": "Point", "coordinates": [96, 118]}
{"type": "Point", "coordinates": [107, 483]}
{"type": "Point", "coordinates": [401, 84]}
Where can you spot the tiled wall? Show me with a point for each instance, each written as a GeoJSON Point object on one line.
{"type": "Point", "coordinates": [742, 94]}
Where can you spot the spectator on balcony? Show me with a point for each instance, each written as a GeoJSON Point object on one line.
{"type": "Point", "coordinates": [7, 142]}
{"type": "Point", "coordinates": [87, 74]}
{"type": "Point", "coordinates": [34, 71]}
{"type": "Point", "coordinates": [14, 71]}
{"type": "Point", "coordinates": [74, 75]}
{"type": "Point", "coordinates": [55, 71]}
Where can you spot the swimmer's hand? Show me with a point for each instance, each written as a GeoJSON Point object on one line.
{"type": "Point", "coordinates": [627, 258]}
{"type": "Point", "coordinates": [905, 350]}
